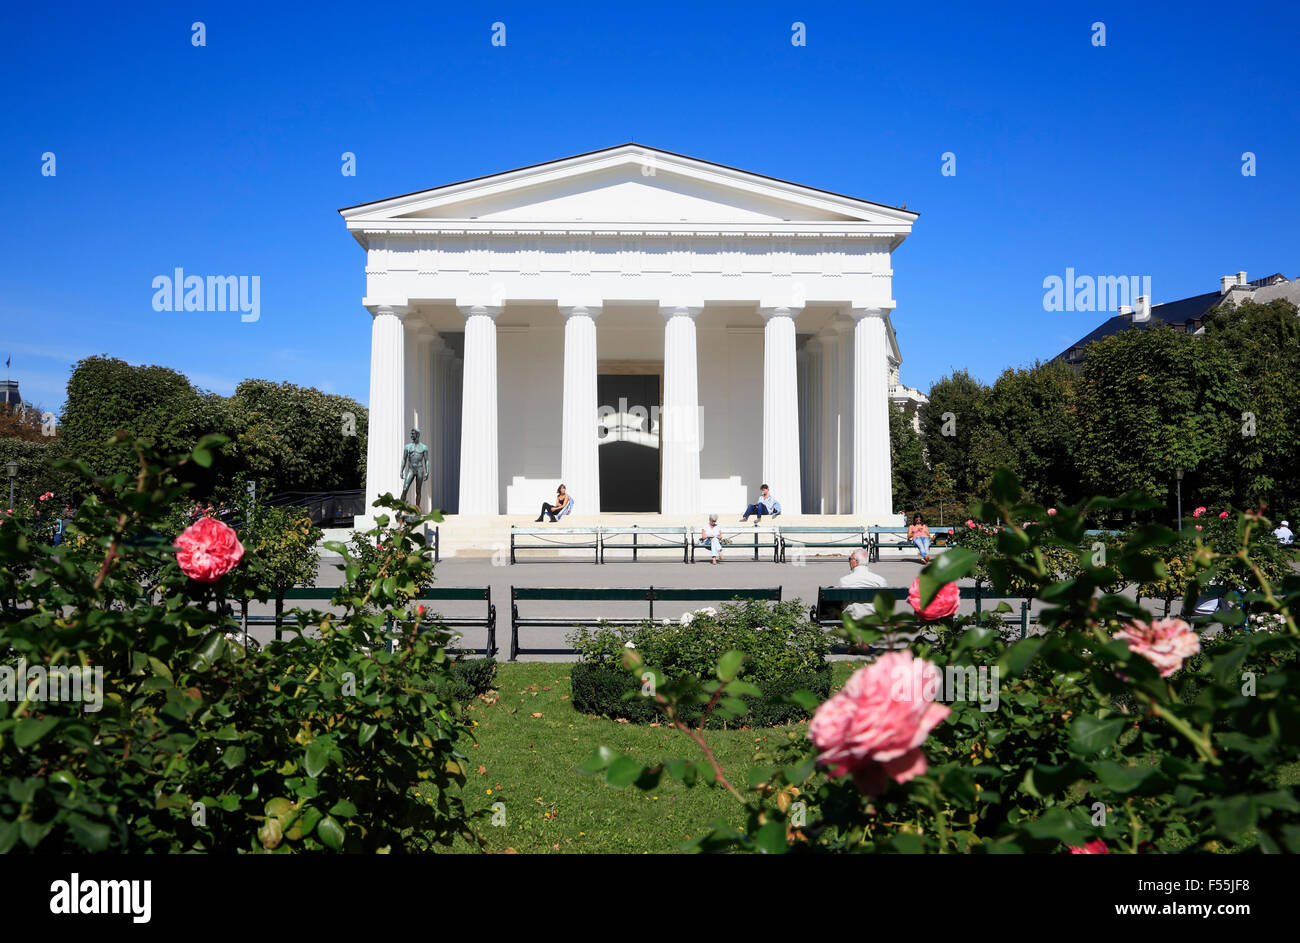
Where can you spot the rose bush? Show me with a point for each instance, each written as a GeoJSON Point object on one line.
{"type": "Point", "coordinates": [1107, 732]}
{"type": "Point", "coordinates": [315, 743]}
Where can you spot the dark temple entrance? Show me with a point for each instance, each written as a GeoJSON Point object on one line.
{"type": "Point", "coordinates": [628, 441]}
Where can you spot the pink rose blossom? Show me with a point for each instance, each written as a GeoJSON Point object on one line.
{"type": "Point", "coordinates": [1097, 847]}
{"type": "Point", "coordinates": [1223, 515]}
{"type": "Point", "coordinates": [1051, 512]}
{"type": "Point", "coordinates": [1198, 512]}
{"type": "Point", "coordinates": [208, 549]}
{"type": "Point", "coordinates": [944, 603]}
{"type": "Point", "coordinates": [1166, 643]}
{"type": "Point", "coordinates": [1198, 526]}
{"type": "Point", "coordinates": [970, 525]}
{"type": "Point", "coordinates": [874, 727]}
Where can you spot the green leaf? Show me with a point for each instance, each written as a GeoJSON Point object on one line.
{"type": "Point", "coordinates": [770, 839]}
{"type": "Point", "coordinates": [599, 760]}
{"type": "Point", "coordinates": [31, 729]}
{"type": "Point", "coordinates": [1090, 735]}
{"type": "Point", "coordinates": [367, 733]}
{"type": "Point", "coordinates": [729, 665]}
{"type": "Point", "coordinates": [1122, 778]}
{"type": "Point", "coordinates": [233, 756]}
{"type": "Point", "coordinates": [948, 567]}
{"type": "Point", "coordinates": [331, 833]}
{"type": "Point", "coordinates": [161, 669]}
{"type": "Point", "coordinates": [343, 808]}
{"type": "Point", "coordinates": [318, 755]}
{"type": "Point", "coordinates": [623, 772]}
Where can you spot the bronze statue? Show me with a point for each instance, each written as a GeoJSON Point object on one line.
{"type": "Point", "coordinates": [415, 465]}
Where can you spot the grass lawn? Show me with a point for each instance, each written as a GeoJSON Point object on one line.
{"type": "Point", "coordinates": [532, 740]}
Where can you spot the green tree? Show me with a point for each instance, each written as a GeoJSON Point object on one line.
{"type": "Point", "coordinates": [293, 438]}
{"type": "Point", "coordinates": [951, 423]}
{"type": "Point", "coordinates": [1032, 420]}
{"type": "Point", "coordinates": [908, 460]}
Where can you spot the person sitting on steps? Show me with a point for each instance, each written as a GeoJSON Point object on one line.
{"type": "Point", "coordinates": [563, 504]}
{"type": "Point", "coordinates": [764, 505]}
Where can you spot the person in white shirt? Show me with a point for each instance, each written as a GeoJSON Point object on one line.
{"type": "Point", "coordinates": [711, 537]}
{"type": "Point", "coordinates": [1284, 535]}
{"type": "Point", "coordinates": [860, 577]}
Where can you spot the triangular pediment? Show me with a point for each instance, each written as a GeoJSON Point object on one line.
{"type": "Point", "coordinates": [628, 184]}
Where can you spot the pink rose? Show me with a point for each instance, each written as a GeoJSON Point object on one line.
{"type": "Point", "coordinates": [1198, 526]}
{"type": "Point", "coordinates": [944, 603]}
{"type": "Point", "coordinates": [970, 525]}
{"type": "Point", "coordinates": [1223, 515]}
{"type": "Point", "coordinates": [1097, 847]}
{"type": "Point", "coordinates": [208, 549]}
{"type": "Point", "coordinates": [1198, 512]}
{"type": "Point", "coordinates": [1051, 512]}
{"type": "Point", "coordinates": [1166, 643]}
{"type": "Point", "coordinates": [873, 728]}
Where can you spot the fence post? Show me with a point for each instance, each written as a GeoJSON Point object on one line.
{"type": "Point", "coordinates": [279, 614]}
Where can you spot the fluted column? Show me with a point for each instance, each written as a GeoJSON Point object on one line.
{"type": "Point", "coordinates": [387, 408]}
{"type": "Point", "coordinates": [680, 416]}
{"type": "Point", "coordinates": [455, 384]}
{"type": "Point", "coordinates": [781, 407]}
{"type": "Point", "coordinates": [872, 484]}
{"type": "Point", "coordinates": [843, 327]}
{"type": "Point", "coordinates": [439, 360]}
{"type": "Point", "coordinates": [478, 491]}
{"type": "Point", "coordinates": [826, 421]}
{"type": "Point", "coordinates": [579, 463]}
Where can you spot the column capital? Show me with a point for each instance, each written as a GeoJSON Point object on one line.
{"type": "Point", "coordinates": [397, 311]}
{"type": "Point", "coordinates": [579, 311]}
{"type": "Point", "coordinates": [470, 311]}
{"type": "Point", "coordinates": [778, 311]}
{"type": "Point", "coordinates": [872, 311]}
{"type": "Point", "coordinates": [421, 330]}
{"type": "Point", "coordinates": [680, 311]}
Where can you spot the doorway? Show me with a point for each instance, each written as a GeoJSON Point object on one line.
{"type": "Point", "coordinates": [628, 441]}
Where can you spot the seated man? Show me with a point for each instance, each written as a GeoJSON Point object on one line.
{"type": "Point", "coordinates": [1284, 535]}
{"type": "Point", "coordinates": [711, 537]}
{"type": "Point", "coordinates": [860, 577]}
{"type": "Point", "coordinates": [765, 504]}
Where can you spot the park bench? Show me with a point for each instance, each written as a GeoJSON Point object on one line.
{"type": "Point", "coordinates": [432, 594]}
{"type": "Point", "coordinates": [832, 600]}
{"type": "Point", "coordinates": [742, 537]}
{"type": "Point", "coordinates": [649, 595]}
{"type": "Point", "coordinates": [896, 538]}
{"type": "Point", "coordinates": [555, 538]}
{"type": "Point", "coordinates": [641, 539]}
{"type": "Point", "coordinates": [839, 537]}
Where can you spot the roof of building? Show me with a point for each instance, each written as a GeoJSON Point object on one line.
{"type": "Point", "coordinates": [1187, 313]}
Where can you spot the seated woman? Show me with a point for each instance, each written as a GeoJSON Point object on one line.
{"type": "Point", "coordinates": [711, 537]}
{"type": "Point", "coordinates": [563, 504]}
{"type": "Point", "coordinates": [919, 534]}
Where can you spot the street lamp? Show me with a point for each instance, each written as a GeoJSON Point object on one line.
{"type": "Point", "coordinates": [12, 468]}
{"type": "Point", "coordinates": [1178, 478]}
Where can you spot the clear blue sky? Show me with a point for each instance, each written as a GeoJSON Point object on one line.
{"type": "Point", "coordinates": [225, 159]}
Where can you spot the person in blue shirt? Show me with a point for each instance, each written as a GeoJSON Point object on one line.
{"type": "Point", "coordinates": [764, 505]}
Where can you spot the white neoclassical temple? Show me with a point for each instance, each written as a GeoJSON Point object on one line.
{"type": "Point", "coordinates": [660, 333]}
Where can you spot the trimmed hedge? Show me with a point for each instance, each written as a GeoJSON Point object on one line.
{"type": "Point", "coordinates": [784, 653]}
{"type": "Point", "coordinates": [600, 689]}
